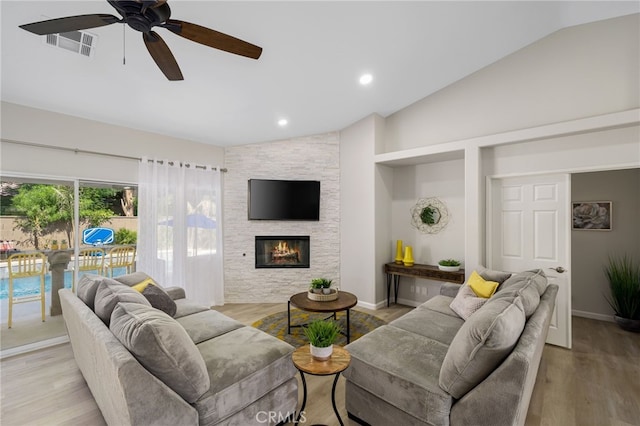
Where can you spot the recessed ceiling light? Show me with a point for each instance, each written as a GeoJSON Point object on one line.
{"type": "Point", "coordinates": [283, 122]}
{"type": "Point", "coordinates": [366, 79]}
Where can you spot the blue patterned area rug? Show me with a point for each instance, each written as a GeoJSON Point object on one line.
{"type": "Point", "coordinates": [276, 325]}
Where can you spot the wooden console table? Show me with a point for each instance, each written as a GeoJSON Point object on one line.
{"type": "Point", "coordinates": [430, 272]}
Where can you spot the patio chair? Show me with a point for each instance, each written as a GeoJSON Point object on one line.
{"type": "Point", "coordinates": [25, 265]}
{"type": "Point", "coordinates": [120, 257]}
{"type": "Point", "coordinates": [90, 259]}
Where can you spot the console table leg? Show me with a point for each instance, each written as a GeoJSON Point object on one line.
{"type": "Point", "coordinates": [289, 317]}
{"type": "Point", "coordinates": [396, 284]}
{"type": "Point", "coordinates": [388, 288]}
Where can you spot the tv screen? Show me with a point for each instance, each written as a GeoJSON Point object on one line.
{"type": "Point", "coordinates": [284, 199]}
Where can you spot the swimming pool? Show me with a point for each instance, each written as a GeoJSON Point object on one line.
{"type": "Point", "coordinates": [31, 285]}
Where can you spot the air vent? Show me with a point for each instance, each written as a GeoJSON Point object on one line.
{"type": "Point", "coordinates": [79, 42]}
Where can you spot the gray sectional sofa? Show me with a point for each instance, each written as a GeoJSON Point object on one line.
{"type": "Point", "coordinates": [431, 367]}
{"type": "Point", "coordinates": [146, 367]}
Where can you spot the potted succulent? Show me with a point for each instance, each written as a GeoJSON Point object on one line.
{"type": "Point", "coordinates": [321, 334]}
{"type": "Point", "coordinates": [54, 245]}
{"type": "Point", "coordinates": [623, 274]}
{"type": "Point", "coordinates": [450, 265]}
{"type": "Point", "coordinates": [321, 285]}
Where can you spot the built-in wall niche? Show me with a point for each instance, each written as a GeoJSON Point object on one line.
{"type": "Point", "coordinates": [282, 251]}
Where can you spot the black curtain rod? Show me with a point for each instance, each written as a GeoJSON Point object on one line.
{"type": "Point", "coordinates": [104, 154]}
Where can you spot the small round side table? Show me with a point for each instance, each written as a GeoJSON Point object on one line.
{"type": "Point", "coordinates": [305, 363]}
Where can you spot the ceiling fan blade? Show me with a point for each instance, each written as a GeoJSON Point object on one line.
{"type": "Point", "coordinates": [213, 38]}
{"type": "Point", "coordinates": [163, 57]}
{"type": "Point", "coordinates": [70, 23]}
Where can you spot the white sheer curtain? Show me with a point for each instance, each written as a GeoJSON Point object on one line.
{"type": "Point", "coordinates": [180, 228]}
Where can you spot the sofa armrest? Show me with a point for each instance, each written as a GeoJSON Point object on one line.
{"type": "Point", "coordinates": [449, 289]}
{"type": "Point", "coordinates": [175, 292]}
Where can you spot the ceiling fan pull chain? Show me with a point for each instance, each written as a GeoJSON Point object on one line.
{"type": "Point", "coordinates": [124, 45]}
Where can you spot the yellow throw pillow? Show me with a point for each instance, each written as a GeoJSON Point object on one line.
{"type": "Point", "coordinates": [143, 284]}
{"type": "Point", "coordinates": [481, 287]}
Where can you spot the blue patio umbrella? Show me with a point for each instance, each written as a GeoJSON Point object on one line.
{"type": "Point", "coordinates": [195, 220]}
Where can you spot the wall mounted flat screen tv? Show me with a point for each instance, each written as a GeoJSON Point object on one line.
{"type": "Point", "coordinates": [284, 199]}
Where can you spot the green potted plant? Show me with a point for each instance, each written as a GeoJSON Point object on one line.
{"type": "Point", "coordinates": [321, 334]}
{"type": "Point", "coordinates": [450, 265]}
{"type": "Point", "coordinates": [54, 245]}
{"type": "Point", "coordinates": [623, 274]}
{"type": "Point", "coordinates": [321, 285]}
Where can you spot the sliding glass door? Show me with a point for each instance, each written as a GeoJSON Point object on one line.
{"type": "Point", "coordinates": [62, 229]}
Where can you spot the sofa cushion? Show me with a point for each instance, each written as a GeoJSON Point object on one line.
{"type": "Point", "coordinates": [207, 324]}
{"type": "Point", "coordinates": [481, 344]}
{"type": "Point", "coordinates": [401, 368]}
{"type": "Point", "coordinates": [158, 298]}
{"type": "Point", "coordinates": [467, 302]}
{"type": "Point", "coordinates": [87, 288]}
{"type": "Point", "coordinates": [244, 365]}
{"type": "Point", "coordinates": [163, 347]}
{"type": "Point", "coordinates": [440, 304]}
{"type": "Point", "coordinates": [186, 307]}
{"type": "Point", "coordinates": [430, 324]}
{"type": "Point", "coordinates": [529, 285]}
{"type": "Point", "coordinates": [109, 293]}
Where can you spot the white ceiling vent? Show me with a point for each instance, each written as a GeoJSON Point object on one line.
{"type": "Point", "coordinates": [79, 42]}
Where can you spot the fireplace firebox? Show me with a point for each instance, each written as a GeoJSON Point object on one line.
{"type": "Point", "coordinates": [282, 251]}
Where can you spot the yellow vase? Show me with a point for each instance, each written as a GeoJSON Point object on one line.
{"type": "Point", "coordinates": [408, 256]}
{"type": "Point", "coordinates": [399, 252]}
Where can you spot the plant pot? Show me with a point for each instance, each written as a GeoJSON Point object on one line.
{"type": "Point", "coordinates": [627, 324]}
{"type": "Point", "coordinates": [449, 268]}
{"type": "Point", "coordinates": [321, 354]}
{"type": "Point", "coordinates": [316, 290]}
{"type": "Point", "coordinates": [326, 291]}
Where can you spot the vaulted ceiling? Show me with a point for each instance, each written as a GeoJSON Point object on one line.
{"type": "Point", "coordinates": [314, 54]}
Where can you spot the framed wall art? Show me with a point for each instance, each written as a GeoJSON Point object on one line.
{"type": "Point", "coordinates": [591, 215]}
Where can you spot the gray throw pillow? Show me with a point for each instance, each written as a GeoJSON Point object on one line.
{"type": "Point", "coordinates": [529, 285]}
{"type": "Point", "coordinates": [481, 344]}
{"type": "Point", "coordinates": [493, 275]}
{"type": "Point", "coordinates": [109, 293]}
{"type": "Point", "coordinates": [159, 299]}
{"type": "Point", "coordinates": [163, 347]}
{"type": "Point", "coordinates": [466, 302]}
{"type": "Point", "coordinates": [87, 288]}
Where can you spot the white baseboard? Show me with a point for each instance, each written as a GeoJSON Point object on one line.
{"type": "Point", "coordinates": [591, 315]}
{"type": "Point", "coordinates": [372, 306]}
{"type": "Point", "coordinates": [33, 346]}
{"type": "Point", "coordinates": [409, 302]}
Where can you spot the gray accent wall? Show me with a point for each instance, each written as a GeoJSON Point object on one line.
{"type": "Point", "coordinates": [590, 249]}
{"type": "Point", "coordinates": [308, 158]}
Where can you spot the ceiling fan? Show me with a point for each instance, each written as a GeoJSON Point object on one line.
{"type": "Point", "coordinates": [143, 16]}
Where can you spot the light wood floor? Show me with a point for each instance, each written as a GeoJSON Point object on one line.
{"type": "Point", "coordinates": [595, 383]}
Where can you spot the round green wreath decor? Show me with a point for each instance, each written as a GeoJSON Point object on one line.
{"type": "Point", "coordinates": [429, 215]}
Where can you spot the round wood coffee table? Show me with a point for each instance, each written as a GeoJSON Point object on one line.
{"type": "Point", "coordinates": [305, 363]}
{"type": "Point", "coordinates": [344, 302]}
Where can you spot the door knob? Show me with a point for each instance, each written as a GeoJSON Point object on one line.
{"type": "Point", "coordinates": [559, 269]}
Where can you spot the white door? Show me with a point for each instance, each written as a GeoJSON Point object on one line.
{"type": "Point", "coordinates": [529, 228]}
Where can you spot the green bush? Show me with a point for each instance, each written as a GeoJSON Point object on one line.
{"type": "Point", "coordinates": [125, 236]}
{"type": "Point", "coordinates": [623, 274]}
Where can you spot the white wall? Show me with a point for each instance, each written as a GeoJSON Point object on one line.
{"type": "Point", "coordinates": [45, 127]}
{"type": "Point", "coordinates": [358, 268]}
{"type": "Point", "coordinates": [582, 71]}
{"type": "Point", "coordinates": [309, 158]}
